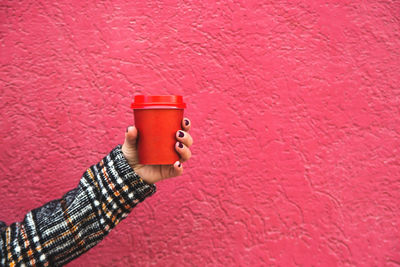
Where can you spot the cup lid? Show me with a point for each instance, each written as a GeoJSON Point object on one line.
{"type": "Point", "coordinates": [158, 101]}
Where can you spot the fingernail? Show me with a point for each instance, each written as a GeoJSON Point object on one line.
{"type": "Point", "coordinates": [127, 129]}
{"type": "Point", "coordinates": [180, 165]}
{"type": "Point", "coordinates": [186, 122]}
{"type": "Point", "coordinates": [180, 145]}
{"type": "Point", "coordinates": [181, 134]}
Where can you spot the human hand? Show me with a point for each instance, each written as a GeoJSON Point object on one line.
{"type": "Point", "coordinates": [155, 173]}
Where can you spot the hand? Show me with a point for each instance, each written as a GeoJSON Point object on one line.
{"type": "Point", "coordinates": [155, 173]}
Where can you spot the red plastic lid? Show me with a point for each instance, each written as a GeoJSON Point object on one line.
{"type": "Point", "coordinates": [158, 101]}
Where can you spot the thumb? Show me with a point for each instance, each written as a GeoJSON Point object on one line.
{"type": "Point", "coordinates": [131, 137]}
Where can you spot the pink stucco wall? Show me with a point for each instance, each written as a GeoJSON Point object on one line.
{"type": "Point", "coordinates": [295, 111]}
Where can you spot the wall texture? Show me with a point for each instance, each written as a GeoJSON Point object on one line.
{"type": "Point", "coordinates": [296, 119]}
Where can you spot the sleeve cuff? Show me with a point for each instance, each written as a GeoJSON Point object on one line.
{"type": "Point", "coordinates": [139, 188]}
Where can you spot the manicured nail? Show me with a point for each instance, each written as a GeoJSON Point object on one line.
{"type": "Point", "coordinates": [186, 122]}
{"type": "Point", "coordinates": [181, 134]}
{"type": "Point", "coordinates": [180, 145]}
{"type": "Point", "coordinates": [180, 165]}
{"type": "Point", "coordinates": [127, 129]}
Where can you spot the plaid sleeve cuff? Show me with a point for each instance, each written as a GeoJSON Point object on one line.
{"type": "Point", "coordinates": [139, 188]}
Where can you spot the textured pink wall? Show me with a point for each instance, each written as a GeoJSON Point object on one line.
{"type": "Point", "coordinates": [295, 111]}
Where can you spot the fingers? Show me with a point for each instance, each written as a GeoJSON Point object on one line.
{"type": "Point", "coordinates": [185, 140]}
{"type": "Point", "coordinates": [184, 137]}
{"type": "Point", "coordinates": [177, 169]}
{"type": "Point", "coordinates": [131, 136]}
{"type": "Point", "coordinates": [183, 151]}
{"type": "Point", "coordinates": [186, 123]}
{"type": "Point", "coordinates": [129, 146]}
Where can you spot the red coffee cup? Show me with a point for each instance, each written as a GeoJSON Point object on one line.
{"type": "Point", "coordinates": [158, 118]}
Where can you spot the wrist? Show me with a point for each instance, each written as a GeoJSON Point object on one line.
{"type": "Point", "coordinates": [132, 160]}
{"type": "Point", "coordinates": [128, 156]}
{"type": "Point", "coordinates": [138, 170]}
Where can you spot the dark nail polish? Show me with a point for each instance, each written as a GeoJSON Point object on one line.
{"type": "Point", "coordinates": [181, 134]}
{"type": "Point", "coordinates": [127, 128]}
{"type": "Point", "coordinates": [180, 145]}
{"type": "Point", "coordinates": [180, 164]}
{"type": "Point", "coordinates": [186, 122]}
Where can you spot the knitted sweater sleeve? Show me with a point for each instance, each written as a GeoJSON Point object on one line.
{"type": "Point", "coordinates": [63, 229]}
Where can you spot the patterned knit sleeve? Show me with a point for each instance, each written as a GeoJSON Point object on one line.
{"type": "Point", "coordinates": [63, 229]}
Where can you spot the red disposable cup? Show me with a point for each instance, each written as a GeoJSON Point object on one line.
{"type": "Point", "coordinates": [158, 118]}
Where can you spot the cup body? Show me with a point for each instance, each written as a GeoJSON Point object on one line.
{"type": "Point", "coordinates": [156, 134]}
{"type": "Point", "coordinates": [157, 119]}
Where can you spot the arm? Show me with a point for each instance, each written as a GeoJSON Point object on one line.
{"type": "Point", "coordinates": [63, 229]}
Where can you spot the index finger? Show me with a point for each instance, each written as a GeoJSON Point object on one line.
{"type": "Point", "coordinates": [186, 124]}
